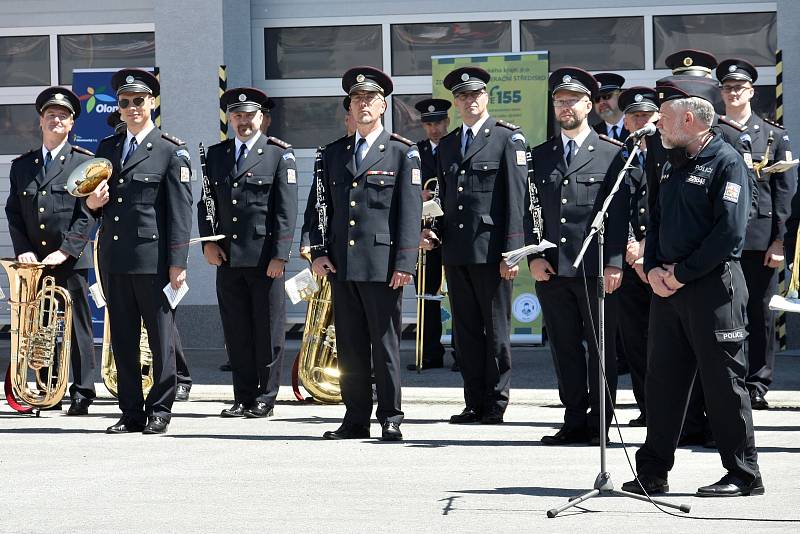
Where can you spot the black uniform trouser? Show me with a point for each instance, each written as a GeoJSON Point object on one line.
{"type": "Point", "coordinates": [82, 357]}
{"type": "Point", "coordinates": [432, 348]}
{"type": "Point", "coordinates": [133, 299]}
{"type": "Point", "coordinates": [253, 312]}
{"type": "Point", "coordinates": [700, 330]}
{"type": "Point", "coordinates": [634, 314]}
{"type": "Point", "coordinates": [571, 322]}
{"type": "Point", "coordinates": [481, 305]}
{"type": "Point", "coordinates": [367, 316]}
{"type": "Point", "coordinates": [181, 365]}
{"type": "Point", "coordinates": [762, 284]}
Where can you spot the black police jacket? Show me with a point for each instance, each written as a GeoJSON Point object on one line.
{"type": "Point", "coordinates": [637, 182]}
{"type": "Point", "coordinates": [256, 205]}
{"type": "Point", "coordinates": [373, 212]}
{"type": "Point", "coordinates": [482, 194]}
{"type": "Point", "coordinates": [701, 214]}
{"type": "Point", "coordinates": [42, 216]}
{"type": "Point", "coordinates": [147, 222]}
{"type": "Point", "coordinates": [571, 196]}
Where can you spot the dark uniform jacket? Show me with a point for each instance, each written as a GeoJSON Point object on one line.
{"type": "Point", "coordinates": [427, 162]}
{"type": "Point", "coordinates": [256, 205]}
{"type": "Point", "coordinates": [483, 194]}
{"type": "Point", "coordinates": [374, 212]}
{"type": "Point", "coordinates": [148, 219]}
{"type": "Point", "coordinates": [774, 191]}
{"type": "Point", "coordinates": [637, 183]}
{"type": "Point", "coordinates": [653, 166]}
{"type": "Point", "coordinates": [42, 216]}
{"type": "Point", "coordinates": [602, 128]}
{"type": "Point", "coordinates": [570, 197]}
{"type": "Point", "coordinates": [704, 206]}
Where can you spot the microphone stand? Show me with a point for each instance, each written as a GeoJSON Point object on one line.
{"type": "Point", "coordinates": [603, 485]}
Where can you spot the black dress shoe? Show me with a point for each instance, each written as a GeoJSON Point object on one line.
{"type": "Point", "coordinates": [732, 486]}
{"type": "Point", "coordinates": [468, 415]}
{"type": "Point", "coordinates": [156, 425]}
{"type": "Point", "coordinates": [427, 364]}
{"type": "Point", "coordinates": [237, 410]}
{"type": "Point", "coordinates": [258, 410]}
{"type": "Point", "coordinates": [125, 425]}
{"type": "Point", "coordinates": [182, 393]}
{"type": "Point", "coordinates": [638, 422]}
{"type": "Point", "coordinates": [567, 436]}
{"type": "Point", "coordinates": [79, 407]}
{"type": "Point", "coordinates": [757, 401]}
{"type": "Point", "coordinates": [653, 485]}
{"type": "Point", "coordinates": [347, 431]}
{"type": "Point", "coordinates": [493, 417]}
{"type": "Point", "coordinates": [390, 431]}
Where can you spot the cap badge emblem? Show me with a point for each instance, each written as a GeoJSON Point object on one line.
{"type": "Point", "coordinates": [464, 77]}
{"type": "Point", "coordinates": [732, 68]}
{"type": "Point", "coordinates": [638, 98]}
{"type": "Point", "coordinates": [242, 97]}
{"type": "Point", "coordinates": [129, 79]}
{"type": "Point", "coordinates": [566, 79]}
{"type": "Point", "coordinates": [687, 61]}
{"type": "Point", "coordinates": [59, 96]}
{"type": "Point", "coordinates": [431, 108]}
{"type": "Point", "coordinates": [360, 78]}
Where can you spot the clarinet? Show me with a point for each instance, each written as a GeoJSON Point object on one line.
{"type": "Point", "coordinates": [321, 206]}
{"type": "Point", "coordinates": [208, 200]}
{"type": "Point", "coordinates": [535, 207]}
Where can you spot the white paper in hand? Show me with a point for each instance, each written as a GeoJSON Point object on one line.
{"type": "Point", "coordinates": [431, 209]}
{"type": "Point", "coordinates": [784, 304]}
{"type": "Point", "coordinates": [174, 296]}
{"type": "Point", "coordinates": [301, 286]}
{"type": "Point", "coordinates": [513, 257]}
{"type": "Point", "coordinates": [97, 295]}
{"type": "Point", "coordinates": [780, 166]}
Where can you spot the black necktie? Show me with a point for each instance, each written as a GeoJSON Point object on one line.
{"type": "Point", "coordinates": [468, 142]}
{"type": "Point", "coordinates": [614, 132]}
{"type": "Point", "coordinates": [568, 151]}
{"type": "Point", "coordinates": [47, 159]}
{"type": "Point", "coordinates": [642, 159]}
{"type": "Point", "coordinates": [358, 155]}
{"type": "Point", "coordinates": [240, 157]}
{"type": "Point", "coordinates": [131, 149]}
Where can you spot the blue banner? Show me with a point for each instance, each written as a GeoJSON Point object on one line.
{"type": "Point", "coordinates": [98, 101]}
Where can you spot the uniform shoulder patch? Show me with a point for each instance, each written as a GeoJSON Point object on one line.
{"type": "Point", "coordinates": [732, 123]}
{"type": "Point", "coordinates": [81, 150]}
{"type": "Point", "coordinates": [505, 124]}
{"type": "Point", "coordinates": [172, 139]}
{"type": "Point", "coordinates": [278, 142]}
{"type": "Point", "coordinates": [772, 122]}
{"type": "Point", "coordinates": [402, 139]}
{"type": "Point", "coordinates": [29, 152]}
{"type": "Point", "coordinates": [611, 140]}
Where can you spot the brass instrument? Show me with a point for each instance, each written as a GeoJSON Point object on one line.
{"type": "Point", "coordinates": [87, 176]}
{"type": "Point", "coordinates": [765, 158]}
{"type": "Point", "coordinates": [422, 259]}
{"type": "Point", "coordinates": [790, 302]}
{"type": "Point", "coordinates": [37, 321]}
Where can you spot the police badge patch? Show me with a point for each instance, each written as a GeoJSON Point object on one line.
{"type": "Point", "coordinates": [416, 177]}
{"type": "Point", "coordinates": [185, 174]}
{"type": "Point", "coordinates": [291, 176]}
{"type": "Point", "coordinates": [731, 193]}
{"type": "Point", "coordinates": [521, 159]}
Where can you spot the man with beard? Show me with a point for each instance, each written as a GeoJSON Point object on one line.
{"type": "Point", "coordinates": [254, 187]}
{"type": "Point", "coordinates": [48, 225]}
{"type": "Point", "coordinates": [763, 244]}
{"type": "Point", "coordinates": [146, 207]}
{"type": "Point", "coordinates": [607, 106]}
{"type": "Point", "coordinates": [372, 191]}
{"type": "Point", "coordinates": [482, 171]}
{"type": "Point", "coordinates": [697, 322]}
{"type": "Point", "coordinates": [573, 179]}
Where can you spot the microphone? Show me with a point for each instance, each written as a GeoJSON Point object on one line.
{"type": "Point", "coordinates": [647, 129]}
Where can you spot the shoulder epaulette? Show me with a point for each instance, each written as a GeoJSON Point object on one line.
{"type": "Point", "coordinates": [172, 139]}
{"type": "Point", "coordinates": [402, 139]}
{"type": "Point", "coordinates": [278, 142]}
{"type": "Point", "coordinates": [772, 123]}
{"type": "Point", "coordinates": [509, 125]}
{"type": "Point", "coordinates": [611, 140]}
{"type": "Point", "coordinates": [732, 123]}
{"type": "Point", "coordinates": [455, 131]}
{"type": "Point", "coordinates": [31, 151]}
{"type": "Point", "coordinates": [81, 150]}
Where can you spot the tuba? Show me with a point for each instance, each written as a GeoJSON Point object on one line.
{"type": "Point", "coordinates": [36, 324]}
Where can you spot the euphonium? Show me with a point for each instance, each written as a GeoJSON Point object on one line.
{"type": "Point", "coordinates": [317, 365]}
{"type": "Point", "coordinates": [36, 324]}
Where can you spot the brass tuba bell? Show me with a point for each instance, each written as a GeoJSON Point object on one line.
{"type": "Point", "coordinates": [87, 176]}
{"type": "Point", "coordinates": [37, 321]}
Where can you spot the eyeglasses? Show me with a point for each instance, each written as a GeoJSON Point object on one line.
{"type": "Point", "coordinates": [734, 89]}
{"type": "Point", "coordinates": [607, 96]}
{"type": "Point", "coordinates": [137, 101]}
{"type": "Point", "coordinates": [567, 103]}
{"type": "Point", "coordinates": [368, 98]}
{"type": "Point", "coordinates": [470, 95]}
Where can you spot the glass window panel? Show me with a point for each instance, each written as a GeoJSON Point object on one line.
{"type": "Point", "coordinates": [320, 52]}
{"type": "Point", "coordinates": [24, 61]}
{"type": "Point", "coordinates": [750, 36]}
{"type": "Point", "coordinates": [104, 50]}
{"type": "Point", "coordinates": [414, 44]}
{"type": "Point", "coordinates": [19, 128]}
{"type": "Point", "coordinates": [592, 44]}
{"type": "Point", "coordinates": [405, 117]}
{"type": "Point", "coordinates": [308, 122]}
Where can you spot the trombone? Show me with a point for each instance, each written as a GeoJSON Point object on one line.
{"type": "Point", "coordinates": [429, 219]}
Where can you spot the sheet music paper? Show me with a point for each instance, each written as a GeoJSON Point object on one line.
{"type": "Point", "coordinates": [195, 240]}
{"type": "Point", "coordinates": [97, 295]}
{"type": "Point", "coordinates": [301, 286]}
{"type": "Point", "coordinates": [513, 257]}
{"type": "Point", "coordinates": [174, 296]}
{"type": "Point", "coordinates": [780, 166]}
{"type": "Point", "coordinates": [786, 304]}
{"type": "Point", "coordinates": [431, 209]}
